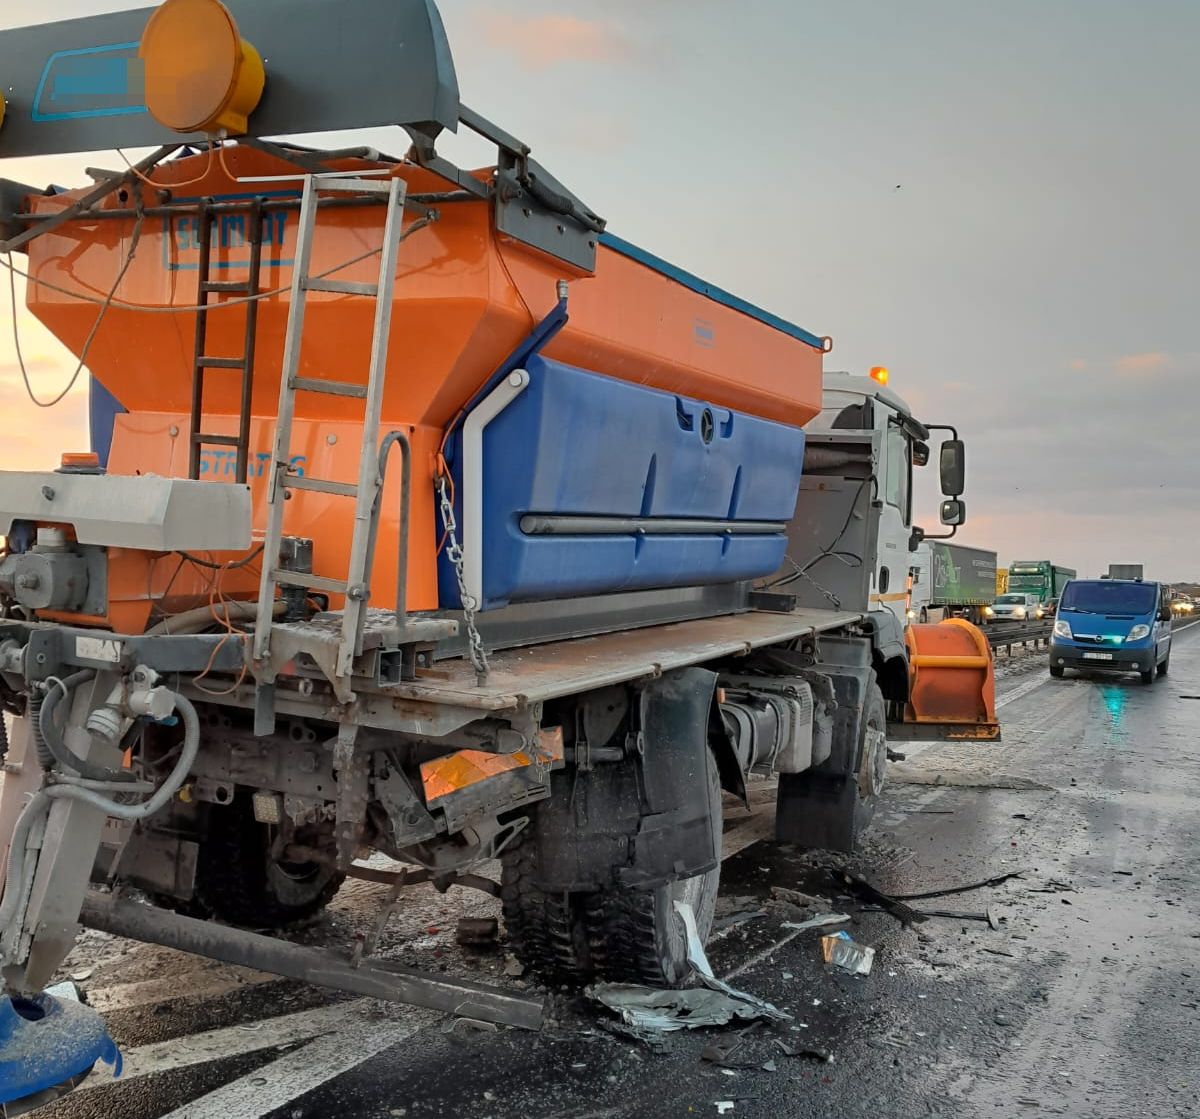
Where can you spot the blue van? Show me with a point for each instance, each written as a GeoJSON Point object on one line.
{"type": "Point", "coordinates": [1118, 625]}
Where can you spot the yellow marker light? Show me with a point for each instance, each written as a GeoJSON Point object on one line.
{"type": "Point", "coordinates": [201, 75]}
{"type": "Point", "coordinates": [879, 373]}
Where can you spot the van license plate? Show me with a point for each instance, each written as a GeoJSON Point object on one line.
{"type": "Point", "coordinates": [1097, 656]}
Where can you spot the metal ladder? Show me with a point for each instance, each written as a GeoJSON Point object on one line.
{"type": "Point", "coordinates": [365, 493]}
{"type": "Point", "coordinates": [202, 362]}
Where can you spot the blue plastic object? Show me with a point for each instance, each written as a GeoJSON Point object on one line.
{"type": "Point", "coordinates": [576, 443]}
{"type": "Point", "coordinates": [103, 409]}
{"type": "Point", "coordinates": [46, 1042]}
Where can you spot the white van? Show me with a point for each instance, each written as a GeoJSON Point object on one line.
{"type": "Point", "coordinates": [1017, 608]}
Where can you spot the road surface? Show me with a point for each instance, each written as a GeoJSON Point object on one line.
{"type": "Point", "coordinates": [1084, 1002]}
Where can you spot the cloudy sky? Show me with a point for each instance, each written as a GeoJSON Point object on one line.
{"type": "Point", "coordinates": [998, 201]}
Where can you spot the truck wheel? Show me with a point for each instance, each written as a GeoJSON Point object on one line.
{"type": "Point", "coordinates": [1056, 670]}
{"type": "Point", "coordinates": [546, 931]}
{"type": "Point", "coordinates": [831, 811]}
{"type": "Point", "coordinates": [238, 879]}
{"type": "Point", "coordinates": [636, 936]}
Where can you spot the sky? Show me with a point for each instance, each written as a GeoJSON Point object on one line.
{"type": "Point", "coordinates": [996, 201]}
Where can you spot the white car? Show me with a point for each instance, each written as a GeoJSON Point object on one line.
{"type": "Point", "coordinates": [1017, 608]}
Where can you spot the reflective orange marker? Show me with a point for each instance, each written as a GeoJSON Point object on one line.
{"type": "Point", "coordinates": [201, 75]}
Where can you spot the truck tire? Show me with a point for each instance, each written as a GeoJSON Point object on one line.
{"type": "Point", "coordinates": [831, 811]}
{"type": "Point", "coordinates": [546, 930]}
{"type": "Point", "coordinates": [636, 936]}
{"type": "Point", "coordinates": [238, 881]}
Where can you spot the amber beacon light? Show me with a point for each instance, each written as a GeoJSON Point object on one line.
{"type": "Point", "coordinates": [201, 75]}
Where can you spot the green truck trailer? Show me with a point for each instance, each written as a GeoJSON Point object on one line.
{"type": "Point", "coordinates": [950, 580]}
{"type": "Point", "coordinates": [1039, 577]}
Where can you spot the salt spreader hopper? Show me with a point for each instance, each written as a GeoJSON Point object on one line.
{"type": "Point", "coordinates": [421, 510]}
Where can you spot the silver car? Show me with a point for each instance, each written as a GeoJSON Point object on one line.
{"type": "Point", "coordinates": [1017, 608]}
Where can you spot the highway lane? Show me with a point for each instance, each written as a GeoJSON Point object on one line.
{"type": "Point", "coordinates": [1083, 1003]}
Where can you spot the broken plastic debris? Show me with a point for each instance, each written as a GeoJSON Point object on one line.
{"type": "Point", "coordinates": [819, 921]}
{"type": "Point", "coordinates": [648, 1010]}
{"type": "Point", "coordinates": [724, 1107]}
{"type": "Point", "coordinates": [65, 990]}
{"type": "Point", "coordinates": [843, 951]}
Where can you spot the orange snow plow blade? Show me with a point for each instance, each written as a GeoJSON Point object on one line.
{"type": "Point", "coordinates": [952, 683]}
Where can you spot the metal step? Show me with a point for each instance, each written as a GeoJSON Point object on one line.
{"type": "Point", "coordinates": [330, 388]}
{"type": "Point", "coordinates": [313, 582]}
{"type": "Point", "coordinates": [320, 485]}
{"type": "Point", "coordinates": [207, 440]}
{"type": "Point", "coordinates": [220, 363]}
{"type": "Point", "coordinates": [226, 287]}
{"type": "Point", "coordinates": [341, 287]}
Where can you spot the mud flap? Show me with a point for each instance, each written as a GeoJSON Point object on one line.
{"type": "Point", "coordinates": [643, 822]}
{"type": "Point", "coordinates": [952, 683]}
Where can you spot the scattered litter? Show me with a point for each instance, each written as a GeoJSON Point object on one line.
{"type": "Point", "coordinates": [988, 917]}
{"type": "Point", "coordinates": [769, 1066]}
{"type": "Point", "coordinates": [858, 885]}
{"type": "Point", "coordinates": [83, 974]}
{"type": "Point", "coordinates": [722, 1053]}
{"type": "Point", "coordinates": [648, 1010]}
{"type": "Point", "coordinates": [819, 921]}
{"type": "Point", "coordinates": [795, 897]}
{"type": "Point", "coordinates": [816, 1002]}
{"type": "Point", "coordinates": [465, 1027]}
{"type": "Point", "coordinates": [804, 1051]}
{"type": "Point", "coordinates": [252, 1029]}
{"type": "Point", "coordinates": [65, 990]}
{"type": "Point", "coordinates": [513, 967]}
{"type": "Point", "coordinates": [1127, 873]}
{"type": "Point", "coordinates": [996, 880]}
{"type": "Point", "coordinates": [734, 919]}
{"type": "Point", "coordinates": [728, 1072]}
{"type": "Point", "coordinates": [843, 951]}
{"type": "Point", "coordinates": [786, 975]}
{"type": "Point", "coordinates": [724, 1107]}
{"type": "Point", "coordinates": [1001, 952]}
{"type": "Point", "coordinates": [1020, 816]}
{"type": "Point", "coordinates": [477, 932]}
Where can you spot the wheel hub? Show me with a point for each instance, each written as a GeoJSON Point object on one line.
{"type": "Point", "coordinates": [874, 762]}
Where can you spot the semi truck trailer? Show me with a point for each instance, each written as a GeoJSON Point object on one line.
{"type": "Point", "coordinates": [1039, 577]}
{"type": "Point", "coordinates": [425, 515]}
{"type": "Point", "coordinates": [950, 580]}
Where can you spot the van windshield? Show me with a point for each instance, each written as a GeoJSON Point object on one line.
{"type": "Point", "coordinates": [1105, 597]}
{"type": "Point", "coordinates": [1012, 599]}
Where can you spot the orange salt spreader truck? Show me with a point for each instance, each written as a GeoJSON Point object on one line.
{"type": "Point", "coordinates": [424, 516]}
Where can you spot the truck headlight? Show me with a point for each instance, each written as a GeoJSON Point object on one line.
{"type": "Point", "coordinates": [1062, 628]}
{"type": "Point", "coordinates": [1138, 632]}
{"type": "Point", "coordinates": [988, 612]}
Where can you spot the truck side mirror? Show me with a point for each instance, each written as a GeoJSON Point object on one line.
{"type": "Point", "coordinates": [953, 463]}
{"type": "Point", "coordinates": [954, 512]}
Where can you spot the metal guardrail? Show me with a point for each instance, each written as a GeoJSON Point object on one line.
{"type": "Point", "coordinates": [1004, 635]}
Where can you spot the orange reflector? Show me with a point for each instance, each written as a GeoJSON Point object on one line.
{"type": "Point", "coordinates": [201, 76]}
{"type": "Point", "coordinates": [879, 373]}
{"type": "Point", "coordinates": [88, 459]}
{"type": "Point", "coordinates": [2, 108]}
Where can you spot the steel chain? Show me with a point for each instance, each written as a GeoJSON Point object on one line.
{"type": "Point", "coordinates": [454, 553]}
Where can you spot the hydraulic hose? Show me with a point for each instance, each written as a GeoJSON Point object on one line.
{"type": "Point", "coordinates": [56, 743]}
{"type": "Point", "coordinates": [44, 756]}
{"type": "Point", "coordinates": [15, 884]}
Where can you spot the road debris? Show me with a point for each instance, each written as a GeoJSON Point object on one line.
{"type": "Point", "coordinates": [841, 950]}
{"type": "Point", "coordinates": [821, 920]}
{"type": "Point", "coordinates": [987, 917]}
{"type": "Point", "coordinates": [797, 898]}
{"type": "Point", "coordinates": [477, 932]}
{"type": "Point", "coordinates": [946, 891]}
{"type": "Point", "coordinates": [648, 1010]}
{"type": "Point", "coordinates": [804, 1051]}
{"type": "Point", "coordinates": [859, 886]}
{"type": "Point", "coordinates": [732, 920]}
{"type": "Point", "coordinates": [724, 1107]}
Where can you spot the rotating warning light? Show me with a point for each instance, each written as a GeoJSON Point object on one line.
{"type": "Point", "coordinates": [201, 75]}
{"type": "Point", "coordinates": [879, 373]}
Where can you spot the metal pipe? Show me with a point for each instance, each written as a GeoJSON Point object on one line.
{"type": "Point", "coordinates": [56, 743]}
{"type": "Point", "coordinates": [379, 980]}
{"type": "Point", "coordinates": [533, 524]}
{"type": "Point", "coordinates": [392, 439]}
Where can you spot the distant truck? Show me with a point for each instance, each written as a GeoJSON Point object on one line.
{"type": "Point", "coordinates": [949, 580]}
{"type": "Point", "coordinates": [1039, 577]}
{"type": "Point", "coordinates": [1125, 571]}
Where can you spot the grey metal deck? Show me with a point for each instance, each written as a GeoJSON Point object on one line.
{"type": "Point", "coordinates": [543, 672]}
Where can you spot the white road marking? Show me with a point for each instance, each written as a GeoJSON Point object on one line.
{"type": "Point", "coordinates": [1022, 690]}
{"type": "Point", "coordinates": [305, 1069]}
{"type": "Point", "coordinates": [231, 1041]}
{"type": "Point", "coordinates": [207, 983]}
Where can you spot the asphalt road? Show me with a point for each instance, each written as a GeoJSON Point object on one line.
{"type": "Point", "coordinates": [1084, 1002]}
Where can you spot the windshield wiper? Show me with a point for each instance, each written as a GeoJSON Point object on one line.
{"type": "Point", "coordinates": [1078, 610]}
